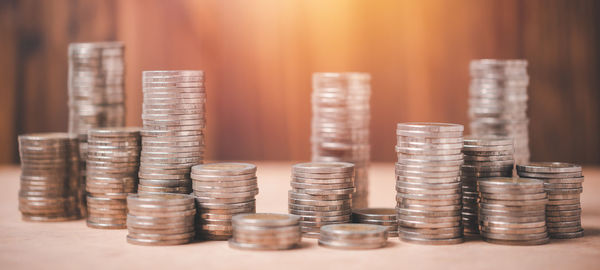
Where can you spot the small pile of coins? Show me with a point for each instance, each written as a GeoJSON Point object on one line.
{"type": "Point", "coordinates": [222, 190]}
{"type": "Point", "coordinates": [160, 219]}
{"type": "Point", "coordinates": [512, 211]}
{"type": "Point", "coordinates": [112, 166]}
{"type": "Point", "coordinates": [377, 216]}
{"type": "Point", "coordinates": [49, 177]}
{"type": "Point", "coordinates": [485, 156]}
{"type": "Point", "coordinates": [173, 117]}
{"type": "Point", "coordinates": [265, 231]}
{"type": "Point", "coordinates": [564, 184]}
{"type": "Point", "coordinates": [353, 236]}
{"type": "Point", "coordinates": [321, 194]}
{"type": "Point", "coordinates": [428, 183]}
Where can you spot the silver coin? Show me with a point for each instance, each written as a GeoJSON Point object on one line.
{"type": "Point", "coordinates": [549, 167]}
{"type": "Point", "coordinates": [550, 175]}
{"type": "Point", "coordinates": [518, 242]}
{"type": "Point", "coordinates": [323, 167]}
{"type": "Point", "coordinates": [451, 241]}
{"type": "Point", "coordinates": [224, 169]}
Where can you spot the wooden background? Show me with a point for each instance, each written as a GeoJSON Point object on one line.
{"type": "Point", "coordinates": [259, 56]}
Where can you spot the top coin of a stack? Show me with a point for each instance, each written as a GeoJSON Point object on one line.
{"type": "Point", "coordinates": [224, 169]}
{"type": "Point", "coordinates": [549, 167]}
{"type": "Point", "coordinates": [172, 73]}
{"type": "Point", "coordinates": [429, 127]}
{"type": "Point", "coordinates": [323, 167]}
{"type": "Point", "coordinates": [114, 131]}
{"type": "Point", "coordinates": [374, 213]}
{"type": "Point", "coordinates": [265, 220]}
{"type": "Point", "coordinates": [487, 140]}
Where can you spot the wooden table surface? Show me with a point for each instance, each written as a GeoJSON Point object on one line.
{"type": "Point", "coordinates": [72, 245]}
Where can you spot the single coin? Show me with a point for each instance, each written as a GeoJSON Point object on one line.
{"type": "Point", "coordinates": [422, 241]}
{"type": "Point", "coordinates": [550, 175]}
{"type": "Point", "coordinates": [224, 169]}
{"type": "Point", "coordinates": [518, 242]}
{"type": "Point", "coordinates": [323, 167]}
{"type": "Point", "coordinates": [549, 167]}
{"type": "Point", "coordinates": [264, 220]}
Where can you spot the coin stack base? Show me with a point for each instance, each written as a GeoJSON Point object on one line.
{"type": "Point", "coordinates": [353, 236]}
{"type": "Point", "coordinates": [386, 217]}
{"type": "Point", "coordinates": [265, 231]}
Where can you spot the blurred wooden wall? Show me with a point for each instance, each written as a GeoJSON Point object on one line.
{"type": "Point", "coordinates": [259, 56]}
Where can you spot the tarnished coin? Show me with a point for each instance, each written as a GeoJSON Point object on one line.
{"type": "Point", "coordinates": [549, 167]}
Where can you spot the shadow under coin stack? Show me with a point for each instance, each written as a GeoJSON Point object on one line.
{"type": "Point", "coordinates": [112, 167]}
{"type": "Point", "coordinates": [353, 236]}
{"type": "Point", "coordinates": [49, 177]}
{"type": "Point", "coordinates": [222, 190]}
{"type": "Point", "coordinates": [265, 231]}
{"type": "Point", "coordinates": [563, 183]}
{"type": "Point", "coordinates": [377, 216]}
{"type": "Point", "coordinates": [428, 183]}
{"type": "Point", "coordinates": [160, 219]}
{"type": "Point", "coordinates": [340, 124]}
{"type": "Point", "coordinates": [512, 211]}
{"type": "Point", "coordinates": [173, 117]}
{"type": "Point", "coordinates": [485, 156]}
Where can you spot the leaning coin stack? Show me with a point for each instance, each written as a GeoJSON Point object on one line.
{"type": "Point", "coordinates": [377, 216]}
{"type": "Point", "coordinates": [173, 117]}
{"type": "Point", "coordinates": [428, 182]}
{"type": "Point", "coordinates": [340, 124]}
{"type": "Point", "coordinates": [512, 211]}
{"type": "Point", "coordinates": [222, 190]}
{"type": "Point", "coordinates": [564, 183]}
{"type": "Point", "coordinates": [353, 236]}
{"type": "Point", "coordinates": [265, 231]}
{"type": "Point", "coordinates": [112, 167]}
{"type": "Point", "coordinates": [321, 194]}
{"type": "Point", "coordinates": [160, 219]}
{"type": "Point", "coordinates": [498, 102]}
{"type": "Point", "coordinates": [49, 177]}
{"type": "Point", "coordinates": [485, 156]}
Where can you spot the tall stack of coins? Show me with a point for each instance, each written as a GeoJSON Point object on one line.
{"type": "Point", "coordinates": [112, 167]}
{"type": "Point", "coordinates": [564, 183]}
{"type": "Point", "coordinates": [340, 124]}
{"type": "Point", "coordinates": [485, 156]}
{"type": "Point", "coordinates": [428, 182]}
{"type": "Point", "coordinates": [49, 177]}
{"type": "Point", "coordinates": [173, 117]}
{"type": "Point", "coordinates": [222, 190]}
{"type": "Point", "coordinates": [321, 194]}
{"type": "Point", "coordinates": [512, 211]}
{"type": "Point", "coordinates": [265, 231]}
{"type": "Point", "coordinates": [377, 216]}
{"type": "Point", "coordinates": [160, 219]}
{"type": "Point", "coordinates": [353, 236]}
{"type": "Point", "coordinates": [498, 102]}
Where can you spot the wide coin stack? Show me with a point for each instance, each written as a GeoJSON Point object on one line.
{"type": "Point", "coordinates": [340, 124]}
{"type": "Point", "coordinates": [160, 219]}
{"type": "Point", "coordinates": [377, 216]}
{"type": "Point", "coordinates": [485, 156]}
{"type": "Point", "coordinates": [112, 166]}
{"type": "Point", "coordinates": [353, 236]}
{"type": "Point", "coordinates": [173, 117]}
{"type": "Point", "coordinates": [512, 211]}
{"type": "Point", "coordinates": [222, 190]}
{"type": "Point", "coordinates": [428, 182]}
{"type": "Point", "coordinates": [265, 231]}
{"type": "Point", "coordinates": [498, 102]}
{"type": "Point", "coordinates": [564, 184]}
{"type": "Point", "coordinates": [49, 177]}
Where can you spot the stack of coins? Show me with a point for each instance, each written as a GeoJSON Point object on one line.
{"type": "Point", "coordinates": [512, 211]}
{"type": "Point", "coordinates": [160, 219]}
{"type": "Point", "coordinates": [485, 156]}
{"type": "Point", "coordinates": [498, 102]}
{"type": "Point", "coordinates": [265, 231]}
{"type": "Point", "coordinates": [222, 190]}
{"type": "Point", "coordinates": [112, 167]}
{"type": "Point", "coordinates": [321, 194]}
{"type": "Point", "coordinates": [173, 117]}
{"type": "Point", "coordinates": [340, 124]}
{"type": "Point", "coordinates": [428, 182]}
{"type": "Point", "coordinates": [564, 183]}
{"type": "Point", "coordinates": [377, 216]}
{"type": "Point", "coordinates": [49, 177]}
{"type": "Point", "coordinates": [353, 236]}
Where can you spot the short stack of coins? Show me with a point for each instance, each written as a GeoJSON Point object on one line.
{"type": "Point", "coordinates": [112, 166]}
{"type": "Point", "coordinates": [428, 182]}
{"type": "Point", "coordinates": [340, 124]}
{"type": "Point", "coordinates": [160, 219]}
{"type": "Point", "coordinates": [353, 236]}
{"type": "Point", "coordinates": [222, 190]}
{"type": "Point", "coordinates": [563, 183]}
{"type": "Point", "coordinates": [265, 231]}
{"type": "Point", "coordinates": [386, 217]}
{"type": "Point", "coordinates": [49, 177]}
{"type": "Point", "coordinates": [173, 117]}
{"type": "Point", "coordinates": [512, 211]}
{"type": "Point", "coordinates": [485, 156]}
{"type": "Point", "coordinates": [321, 194]}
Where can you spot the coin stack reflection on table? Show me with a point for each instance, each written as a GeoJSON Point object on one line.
{"type": "Point", "coordinates": [428, 183]}
{"type": "Point", "coordinates": [265, 231]}
{"type": "Point", "coordinates": [353, 236]}
{"type": "Point", "coordinates": [377, 216]}
{"type": "Point", "coordinates": [563, 183]}
{"type": "Point", "coordinates": [340, 124]}
{"type": "Point", "coordinates": [173, 118]}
